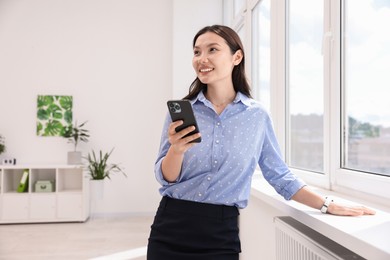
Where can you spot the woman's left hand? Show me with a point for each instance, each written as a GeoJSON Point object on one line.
{"type": "Point", "coordinates": [346, 210]}
{"type": "Point", "coordinates": [308, 197]}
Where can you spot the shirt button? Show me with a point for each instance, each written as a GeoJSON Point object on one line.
{"type": "Point", "coordinates": [217, 141]}
{"type": "Point", "coordinates": [218, 124]}
{"type": "Point", "coordinates": [215, 161]}
{"type": "Point", "coordinates": [209, 178]}
{"type": "Point", "coordinates": [200, 194]}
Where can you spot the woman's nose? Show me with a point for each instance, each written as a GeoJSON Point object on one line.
{"type": "Point", "coordinates": [203, 59]}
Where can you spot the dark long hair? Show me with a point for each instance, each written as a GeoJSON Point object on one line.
{"type": "Point", "coordinates": [232, 39]}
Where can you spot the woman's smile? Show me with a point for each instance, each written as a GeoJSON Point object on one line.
{"type": "Point", "coordinates": [205, 69]}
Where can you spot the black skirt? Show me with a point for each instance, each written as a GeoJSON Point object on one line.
{"type": "Point", "coordinates": [186, 230]}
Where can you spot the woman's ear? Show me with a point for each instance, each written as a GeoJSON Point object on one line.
{"type": "Point", "coordinates": [238, 57]}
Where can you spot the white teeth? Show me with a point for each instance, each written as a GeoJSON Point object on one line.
{"type": "Point", "coordinates": [206, 70]}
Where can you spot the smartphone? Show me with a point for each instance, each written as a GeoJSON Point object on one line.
{"type": "Point", "coordinates": [182, 110]}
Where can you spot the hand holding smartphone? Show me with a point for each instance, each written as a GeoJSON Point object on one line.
{"type": "Point", "coordinates": [182, 110]}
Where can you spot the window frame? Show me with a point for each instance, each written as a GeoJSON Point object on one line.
{"type": "Point", "coordinates": [319, 179]}
{"type": "Point", "coordinates": [365, 185]}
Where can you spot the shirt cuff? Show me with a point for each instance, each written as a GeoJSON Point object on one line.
{"type": "Point", "coordinates": [159, 175]}
{"type": "Point", "coordinates": [291, 188]}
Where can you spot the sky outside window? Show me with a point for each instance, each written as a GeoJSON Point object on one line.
{"type": "Point", "coordinates": [305, 85]}
{"type": "Point", "coordinates": [367, 86]}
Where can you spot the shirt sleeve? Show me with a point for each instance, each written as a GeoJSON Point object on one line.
{"type": "Point", "coordinates": [273, 167]}
{"type": "Point", "coordinates": [164, 147]}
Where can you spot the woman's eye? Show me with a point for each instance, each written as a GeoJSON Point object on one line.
{"type": "Point", "coordinates": [213, 49]}
{"type": "Point", "coordinates": [196, 53]}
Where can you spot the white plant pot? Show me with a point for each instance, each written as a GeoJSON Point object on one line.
{"type": "Point", "coordinates": [74, 158]}
{"type": "Point", "coordinates": [96, 191]}
{"type": "Point", "coordinates": [96, 188]}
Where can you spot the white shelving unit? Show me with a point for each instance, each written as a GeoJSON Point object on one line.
{"type": "Point", "coordinates": [68, 202]}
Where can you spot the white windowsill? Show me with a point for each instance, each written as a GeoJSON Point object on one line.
{"type": "Point", "coordinates": [367, 236]}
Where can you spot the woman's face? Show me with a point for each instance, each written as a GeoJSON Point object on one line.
{"type": "Point", "coordinates": [213, 61]}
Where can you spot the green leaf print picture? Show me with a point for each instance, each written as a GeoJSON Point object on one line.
{"type": "Point", "coordinates": [54, 114]}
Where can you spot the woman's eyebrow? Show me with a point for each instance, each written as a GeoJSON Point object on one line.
{"type": "Point", "coordinates": [208, 45]}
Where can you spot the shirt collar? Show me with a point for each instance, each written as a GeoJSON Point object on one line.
{"type": "Point", "coordinates": [239, 97]}
{"type": "Point", "coordinates": [200, 97]}
{"type": "Point", "coordinates": [243, 98]}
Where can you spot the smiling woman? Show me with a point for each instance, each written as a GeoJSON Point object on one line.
{"type": "Point", "coordinates": [232, 45]}
{"type": "Point", "coordinates": [213, 63]}
{"type": "Point", "coordinates": [204, 184]}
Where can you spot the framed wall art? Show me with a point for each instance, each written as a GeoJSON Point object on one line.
{"type": "Point", "coordinates": [54, 114]}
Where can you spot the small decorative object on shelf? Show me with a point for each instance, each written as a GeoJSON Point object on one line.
{"type": "Point", "coordinates": [9, 161]}
{"type": "Point", "coordinates": [24, 181]}
{"type": "Point", "coordinates": [44, 186]}
{"type": "Point", "coordinates": [76, 134]}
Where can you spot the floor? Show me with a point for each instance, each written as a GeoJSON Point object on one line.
{"type": "Point", "coordinates": [97, 239]}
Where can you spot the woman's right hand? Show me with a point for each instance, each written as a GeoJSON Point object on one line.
{"type": "Point", "coordinates": [179, 143]}
{"type": "Point", "coordinates": [171, 165]}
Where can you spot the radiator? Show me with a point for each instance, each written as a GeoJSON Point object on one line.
{"type": "Point", "coordinates": [296, 241]}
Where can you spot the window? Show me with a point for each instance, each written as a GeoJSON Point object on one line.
{"type": "Point", "coordinates": [322, 71]}
{"type": "Point", "coordinates": [261, 52]}
{"type": "Point", "coordinates": [366, 59]}
{"type": "Point", "coordinates": [305, 87]}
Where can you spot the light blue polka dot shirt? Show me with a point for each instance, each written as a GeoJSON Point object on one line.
{"type": "Point", "coordinates": [219, 169]}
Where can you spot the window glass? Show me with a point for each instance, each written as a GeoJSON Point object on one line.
{"type": "Point", "coordinates": [305, 85]}
{"type": "Point", "coordinates": [366, 85]}
{"type": "Point", "coordinates": [261, 52]}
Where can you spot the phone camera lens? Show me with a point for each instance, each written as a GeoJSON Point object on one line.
{"type": "Point", "coordinates": [174, 107]}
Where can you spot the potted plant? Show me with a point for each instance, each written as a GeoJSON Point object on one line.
{"type": "Point", "coordinates": [2, 144]}
{"type": "Point", "coordinates": [76, 134]}
{"type": "Point", "coordinates": [100, 169]}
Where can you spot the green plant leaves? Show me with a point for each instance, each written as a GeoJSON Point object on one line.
{"type": "Point", "coordinates": [54, 113]}
{"type": "Point", "coordinates": [99, 168]}
{"type": "Point", "coordinates": [45, 101]}
{"type": "Point", "coordinates": [76, 133]}
{"type": "Point", "coordinates": [52, 128]}
{"type": "Point", "coordinates": [2, 144]}
{"type": "Point", "coordinates": [66, 102]}
{"type": "Point", "coordinates": [43, 114]}
{"type": "Point", "coordinates": [68, 116]}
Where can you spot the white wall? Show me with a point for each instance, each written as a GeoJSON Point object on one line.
{"type": "Point", "coordinates": [115, 58]}
{"type": "Point", "coordinates": [189, 17]}
{"type": "Point", "coordinates": [257, 230]}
